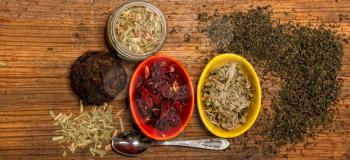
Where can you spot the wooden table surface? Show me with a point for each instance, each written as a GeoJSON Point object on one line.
{"type": "Point", "coordinates": [40, 39]}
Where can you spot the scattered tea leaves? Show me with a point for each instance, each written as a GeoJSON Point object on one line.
{"type": "Point", "coordinates": [306, 59]}
{"type": "Point", "coordinates": [343, 17]}
{"type": "Point", "coordinates": [308, 145]}
{"type": "Point", "coordinates": [176, 29]}
{"type": "Point", "coordinates": [202, 17]}
{"type": "Point", "coordinates": [187, 38]}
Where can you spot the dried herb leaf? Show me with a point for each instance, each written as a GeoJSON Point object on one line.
{"type": "Point", "coordinates": [121, 124]}
{"type": "Point", "coordinates": [52, 114]}
{"type": "Point", "coordinates": [58, 116]}
{"type": "Point", "coordinates": [101, 153]}
{"type": "Point", "coordinates": [81, 106]}
{"type": "Point", "coordinates": [57, 138]}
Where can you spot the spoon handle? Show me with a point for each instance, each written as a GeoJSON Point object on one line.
{"type": "Point", "coordinates": [210, 143]}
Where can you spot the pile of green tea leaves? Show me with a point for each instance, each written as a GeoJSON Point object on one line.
{"type": "Point", "coordinates": [306, 59]}
{"type": "Point", "coordinates": [92, 129]}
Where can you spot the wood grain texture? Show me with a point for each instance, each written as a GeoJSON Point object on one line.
{"type": "Point", "coordinates": [40, 39]}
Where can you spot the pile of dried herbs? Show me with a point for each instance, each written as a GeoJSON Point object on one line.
{"type": "Point", "coordinates": [92, 129]}
{"type": "Point", "coordinates": [306, 59]}
{"type": "Point", "coordinates": [139, 29]}
{"type": "Point", "coordinates": [226, 96]}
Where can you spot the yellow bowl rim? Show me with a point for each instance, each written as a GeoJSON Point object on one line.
{"type": "Point", "coordinates": [199, 94]}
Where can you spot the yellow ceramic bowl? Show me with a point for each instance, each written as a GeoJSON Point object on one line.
{"type": "Point", "coordinates": [255, 104]}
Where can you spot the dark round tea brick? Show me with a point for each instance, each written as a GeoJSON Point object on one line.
{"type": "Point", "coordinates": [97, 77]}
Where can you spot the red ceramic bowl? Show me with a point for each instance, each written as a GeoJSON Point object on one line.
{"type": "Point", "coordinates": [184, 114]}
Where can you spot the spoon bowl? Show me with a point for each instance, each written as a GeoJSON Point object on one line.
{"type": "Point", "coordinates": [131, 143]}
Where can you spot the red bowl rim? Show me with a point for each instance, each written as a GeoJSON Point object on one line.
{"type": "Point", "coordinates": [132, 106]}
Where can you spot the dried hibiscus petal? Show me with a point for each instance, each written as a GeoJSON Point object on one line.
{"type": "Point", "coordinates": [139, 82]}
{"type": "Point", "coordinates": [176, 86]}
{"type": "Point", "coordinates": [171, 68]}
{"type": "Point", "coordinates": [178, 106]}
{"type": "Point", "coordinates": [166, 92]}
{"type": "Point", "coordinates": [162, 64]}
{"type": "Point", "coordinates": [157, 99]}
{"type": "Point", "coordinates": [156, 112]}
{"type": "Point", "coordinates": [146, 72]}
{"type": "Point", "coordinates": [149, 120]}
{"type": "Point", "coordinates": [168, 118]}
{"type": "Point", "coordinates": [165, 109]}
{"type": "Point", "coordinates": [141, 107]}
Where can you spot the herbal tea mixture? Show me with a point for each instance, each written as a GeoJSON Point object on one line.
{"type": "Point", "coordinates": [226, 96]}
{"type": "Point", "coordinates": [139, 29]}
{"type": "Point", "coordinates": [162, 95]}
{"type": "Point", "coordinates": [92, 129]}
{"type": "Point", "coordinates": [306, 59]}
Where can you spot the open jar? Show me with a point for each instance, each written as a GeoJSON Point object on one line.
{"type": "Point", "coordinates": [136, 30]}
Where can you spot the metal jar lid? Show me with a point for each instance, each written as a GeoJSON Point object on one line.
{"type": "Point", "coordinates": [115, 43]}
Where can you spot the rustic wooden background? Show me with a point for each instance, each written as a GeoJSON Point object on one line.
{"type": "Point", "coordinates": [40, 39]}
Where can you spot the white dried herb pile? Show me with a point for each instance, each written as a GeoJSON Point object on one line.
{"type": "Point", "coordinates": [90, 129]}
{"type": "Point", "coordinates": [139, 29]}
{"type": "Point", "coordinates": [226, 96]}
